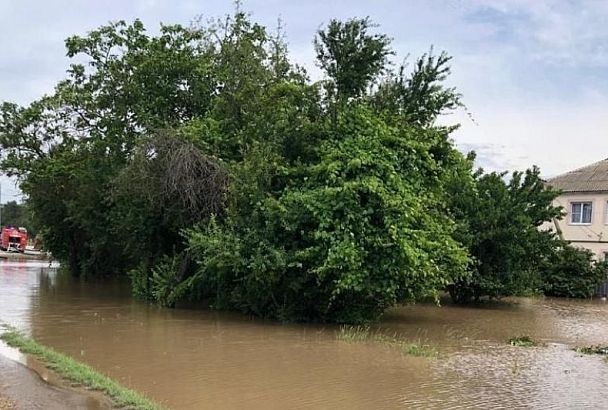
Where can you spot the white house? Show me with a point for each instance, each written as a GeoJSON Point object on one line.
{"type": "Point", "coordinates": [585, 201]}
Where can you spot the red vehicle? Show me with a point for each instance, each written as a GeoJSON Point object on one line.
{"type": "Point", "coordinates": [13, 239]}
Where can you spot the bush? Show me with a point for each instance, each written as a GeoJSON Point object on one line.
{"type": "Point", "coordinates": [140, 282]}
{"type": "Point", "coordinates": [572, 272]}
{"type": "Point", "coordinates": [346, 238]}
{"type": "Point", "coordinates": [500, 225]}
{"type": "Point", "coordinates": [167, 285]}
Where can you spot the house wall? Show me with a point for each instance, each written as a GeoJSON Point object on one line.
{"type": "Point", "coordinates": [593, 236]}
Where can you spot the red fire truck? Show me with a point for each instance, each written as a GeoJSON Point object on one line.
{"type": "Point", "coordinates": [13, 239]}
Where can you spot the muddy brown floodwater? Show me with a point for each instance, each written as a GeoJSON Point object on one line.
{"type": "Point", "coordinates": [189, 359]}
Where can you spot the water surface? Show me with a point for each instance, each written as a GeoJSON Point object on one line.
{"type": "Point", "coordinates": [189, 359]}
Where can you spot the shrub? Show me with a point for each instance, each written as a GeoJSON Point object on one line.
{"type": "Point", "coordinates": [140, 281]}
{"type": "Point", "coordinates": [572, 272]}
{"type": "Point", "coordinates": [499, 223]}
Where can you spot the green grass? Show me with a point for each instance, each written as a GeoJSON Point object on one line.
{"type": "Point", "coordinates": [523, 341]}
{"type": "Point", "coordinates": [354, 333]}
{"type": "Point", "coordinates": [78, 373]}
{"type": "Point", "coordinates": [358, 334]}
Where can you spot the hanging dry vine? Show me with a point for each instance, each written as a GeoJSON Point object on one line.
{"type": "Point", "coordinates": [177, 177]}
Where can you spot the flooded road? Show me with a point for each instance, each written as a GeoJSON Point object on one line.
{"type": "Point", "coordinates": [190, 359]}
{"type": "Point", "coordinates": [23, 388]}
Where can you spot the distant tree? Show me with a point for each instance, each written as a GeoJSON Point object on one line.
{"type": "Point", "coordinates": [17, 215]}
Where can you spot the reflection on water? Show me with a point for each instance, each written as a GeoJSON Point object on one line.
{"type": "Point", "coordinates": [199, 359]}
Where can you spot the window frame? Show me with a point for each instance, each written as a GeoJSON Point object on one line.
{"type": "Point", "coordinates": [571, 214]}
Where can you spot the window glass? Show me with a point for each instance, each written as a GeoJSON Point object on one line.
{"type": "Point", "coordinates": [586, 213]}
{"type": "Point", "coordinates": [581, 212]}
{"type": "Point", "coordinates": [576, 212]}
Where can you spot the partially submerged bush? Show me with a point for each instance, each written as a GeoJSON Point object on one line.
{"type": "Point", "coordinates": [344, 239]}
{"type": "Point", "coordinates": [523, 341]}
{"type": "Point", "coordinates": [499, 222]}
{"type": "Point", "coordinates": [572, 272]}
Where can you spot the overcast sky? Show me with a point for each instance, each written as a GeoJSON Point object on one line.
{"type": "Point", "coordinates": [533, 74]}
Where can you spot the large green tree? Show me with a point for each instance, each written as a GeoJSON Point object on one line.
{"type": "Point", "coordinates": [70, 149]}
{"type": "Point", "coordinates": [344, 238]}
{"type": "Point", "coordinates": [350, 219]}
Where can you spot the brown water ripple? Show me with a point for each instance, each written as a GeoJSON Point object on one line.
{"type": "Point", "coordinates": [206, 360]}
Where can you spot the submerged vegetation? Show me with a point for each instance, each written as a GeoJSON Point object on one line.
{"type": "Point", "coordinates": [206, 165]}
{"type": "Point", "coordinates": [523, 341]}
{"type": "Point", "coordinates": [601, 350]}
{"type": "Point", "coordinates": [78, 373]}
{"type": "Point", "coordinates": [573, 273]}
{"type": "Point", "coordinates": [358, 334]}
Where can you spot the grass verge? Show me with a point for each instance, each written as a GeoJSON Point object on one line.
{"type": "Point", "coordinates": [354, 334]}
{"type": "Point", "coordinates": [78, 373]}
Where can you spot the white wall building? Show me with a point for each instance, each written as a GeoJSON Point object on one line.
{"type": "Point", "coordinates": [585, 201]}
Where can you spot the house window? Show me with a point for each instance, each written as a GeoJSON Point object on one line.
{"type": "Point", "coordinates": [581, 212]}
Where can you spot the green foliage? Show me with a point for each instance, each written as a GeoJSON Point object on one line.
{"type": "Point", "coordinates": [79, 373]}
{"type": "Point", "coordinates": [421, 96]}
{"type": "Point", "coordinates": [572, 272]}
{"type": "Point", "coordinates": [165, 285]}
{"type": "Point", "coordinates": [343, 239]}
{"type": "Point", "coordinates": [70, 149]}
{"type": "Point", "coordinates": [67, 194]}
{"type": "Point", "coordinates": [350, 56]}
{"type": "Point", "coordinates": [500, 227]}
{"type": "Point", "coordinates": [353, 334]}
{"type": "Point", "coordinates": [18, 215]}
{"type": "Point", "coordinates": [140, 281]}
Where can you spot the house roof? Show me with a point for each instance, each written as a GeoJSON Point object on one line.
{"type": "Point", "coordinates": [591, 178]}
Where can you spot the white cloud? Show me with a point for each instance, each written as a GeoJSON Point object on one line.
{"type": "Point", "coordinates": [555, 136]}
{"type": "Point", "coordinates": [555, 31]}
